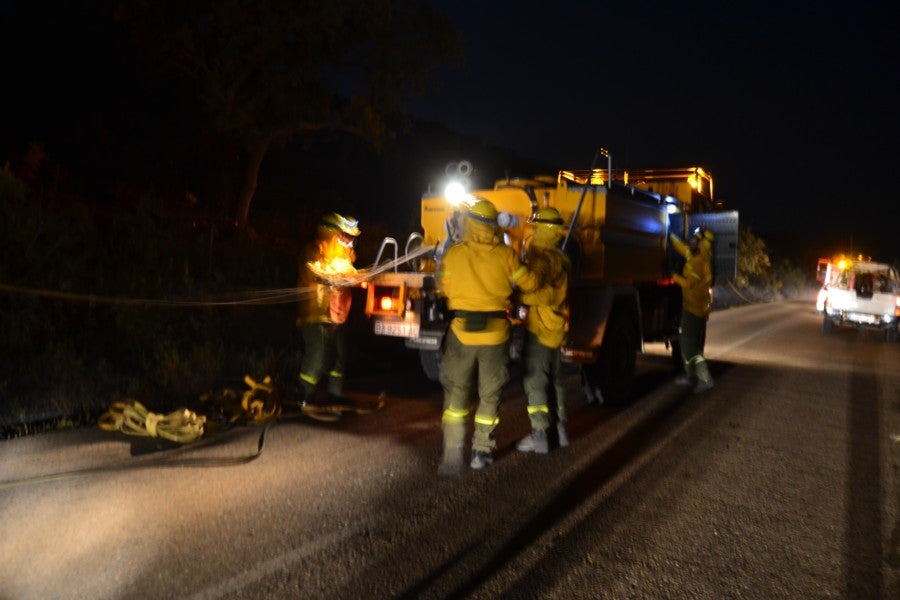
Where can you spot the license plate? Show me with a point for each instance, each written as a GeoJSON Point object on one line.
{"type": "Point", "coordinates": [859, 318]}
{"type": "Point", "coordinates": [397, 328]}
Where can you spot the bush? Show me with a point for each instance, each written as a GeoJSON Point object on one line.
{"type": "Point", "coordinates": [88, 317]}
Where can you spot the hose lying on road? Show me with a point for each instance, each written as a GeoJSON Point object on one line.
{"type": "Point", "coordinates": [174, 460]}
{"type": "Point", "coordinates": [133, 418]}
{"type": "Point", "coordinates": [259, 404]}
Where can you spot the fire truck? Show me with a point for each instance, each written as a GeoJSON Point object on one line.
{"type": "Point", "coordinates": [859, 293]}
{"type": "Point", "coordinates": [621, 293]}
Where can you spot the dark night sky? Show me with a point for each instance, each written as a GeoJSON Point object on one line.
{"type": "Point", "coordinates": [792, 106]}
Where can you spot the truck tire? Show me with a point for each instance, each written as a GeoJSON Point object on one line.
{"type": "Point", "coordinates": [613, 373]}
{"type": "Point", "coordinates": [827, 325]}
{"type": "Point", "coordinates": [890, 334]}
{"type": "Point", "coordinates": [431, 364]}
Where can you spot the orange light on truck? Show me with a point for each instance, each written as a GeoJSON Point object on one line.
{"type": "Point", "coordinates": [386, 300]}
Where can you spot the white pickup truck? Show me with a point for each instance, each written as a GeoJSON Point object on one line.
{"type": "Point", "coordinates": [861, 294]}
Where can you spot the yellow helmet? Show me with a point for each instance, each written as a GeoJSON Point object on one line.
{"type": "Point", "coordinates": [484, 211]}
{"type": "Point", "coordinates": [346, 225]}
{"type": "Point", "coordinates": [548, 216]}
{"type": "Point", "coordinates": [548, 227]}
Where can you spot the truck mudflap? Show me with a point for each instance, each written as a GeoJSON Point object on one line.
{"type": "Point", "coordinates": [430, 348]}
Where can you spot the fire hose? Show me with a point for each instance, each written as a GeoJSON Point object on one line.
{"type": "Point", "coordinates": [173, 460]}
{"type": "Point", "coordinates": [252, 298]}
{"type": "Point", "coordinates": [133, 418]}
{"type": "Point", "coordinates": [257, 405]}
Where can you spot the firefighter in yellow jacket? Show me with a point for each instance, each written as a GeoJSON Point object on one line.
{"type": "Point", "coordinates": [324, 308]}
{"type": "Point", "coordinates": [477, 276]}
{"type": "Point", "coordinates": [546, 325]}
{"type": "Point", "coordinates": [695, 281]}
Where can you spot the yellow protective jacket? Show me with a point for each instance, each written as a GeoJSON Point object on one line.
{"type": "Point", "coordinates": [548, 317]}
{"type": "Point", "coordinates": [696, 276]}
{"type": "Point", "coordinates": [320, 302]}
{"type": "Point", "coordinates": [477, 274]}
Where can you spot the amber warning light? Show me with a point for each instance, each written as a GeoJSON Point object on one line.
{"type": "Point", "coordinates": [386, 299]}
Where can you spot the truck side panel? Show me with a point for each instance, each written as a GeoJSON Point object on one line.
{"type": "Point", "coordinates": [620, 234]}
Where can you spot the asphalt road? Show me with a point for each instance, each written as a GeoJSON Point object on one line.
{"type": "Point", "coordinates": [783, 481]}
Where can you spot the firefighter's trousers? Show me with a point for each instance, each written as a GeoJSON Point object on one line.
{"type": "Point", "coordinates": [325, 353]}
{"type": "Point", "coordinates": [693, 339]}
{"type": "Point", "coordinates": [458, 367]}
{"type": "Point", "coordinates": [543, 368]}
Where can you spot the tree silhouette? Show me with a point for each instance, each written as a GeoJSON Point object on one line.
{"type": "Point", "coordinates": [260, 73]}
{"type": "Point", "coordinates": [754, 262]}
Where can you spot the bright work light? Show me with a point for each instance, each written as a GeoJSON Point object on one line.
{"type": "Point", "coordinates": [455, 193]}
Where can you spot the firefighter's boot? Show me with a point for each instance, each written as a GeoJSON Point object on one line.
{"type": "Point", "coordinates": [535, 442]}
{"type": "Point", "coordinates": [561, 434]}
{"type": "Point", "coordinates": [304, 392]}
{"type": "Point", "coordinates": [481, 460]}
{"type": "Point", "coordinates": [452, 462]}
{"type": "Point", "coordinates": [704, 378]}
{"type": "Point", "coordinates": [687, 377]}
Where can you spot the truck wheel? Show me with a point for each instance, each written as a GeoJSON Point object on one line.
{"type": "Point", "coordinates": [431, 363]}
{"type": "Point", "coordinates": [827, 325]}
{"type": "Point", "coordinates": [890, 334]}
{"type": "Point", "coordinates": [613, 373]}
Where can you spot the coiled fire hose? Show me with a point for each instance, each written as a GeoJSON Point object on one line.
{"type": "Point", "coordinates": [181, 426]}
{"type": "Point", "coordinates": [133, 418]}
{"type": "Point", "coordinates": [258, 402]}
